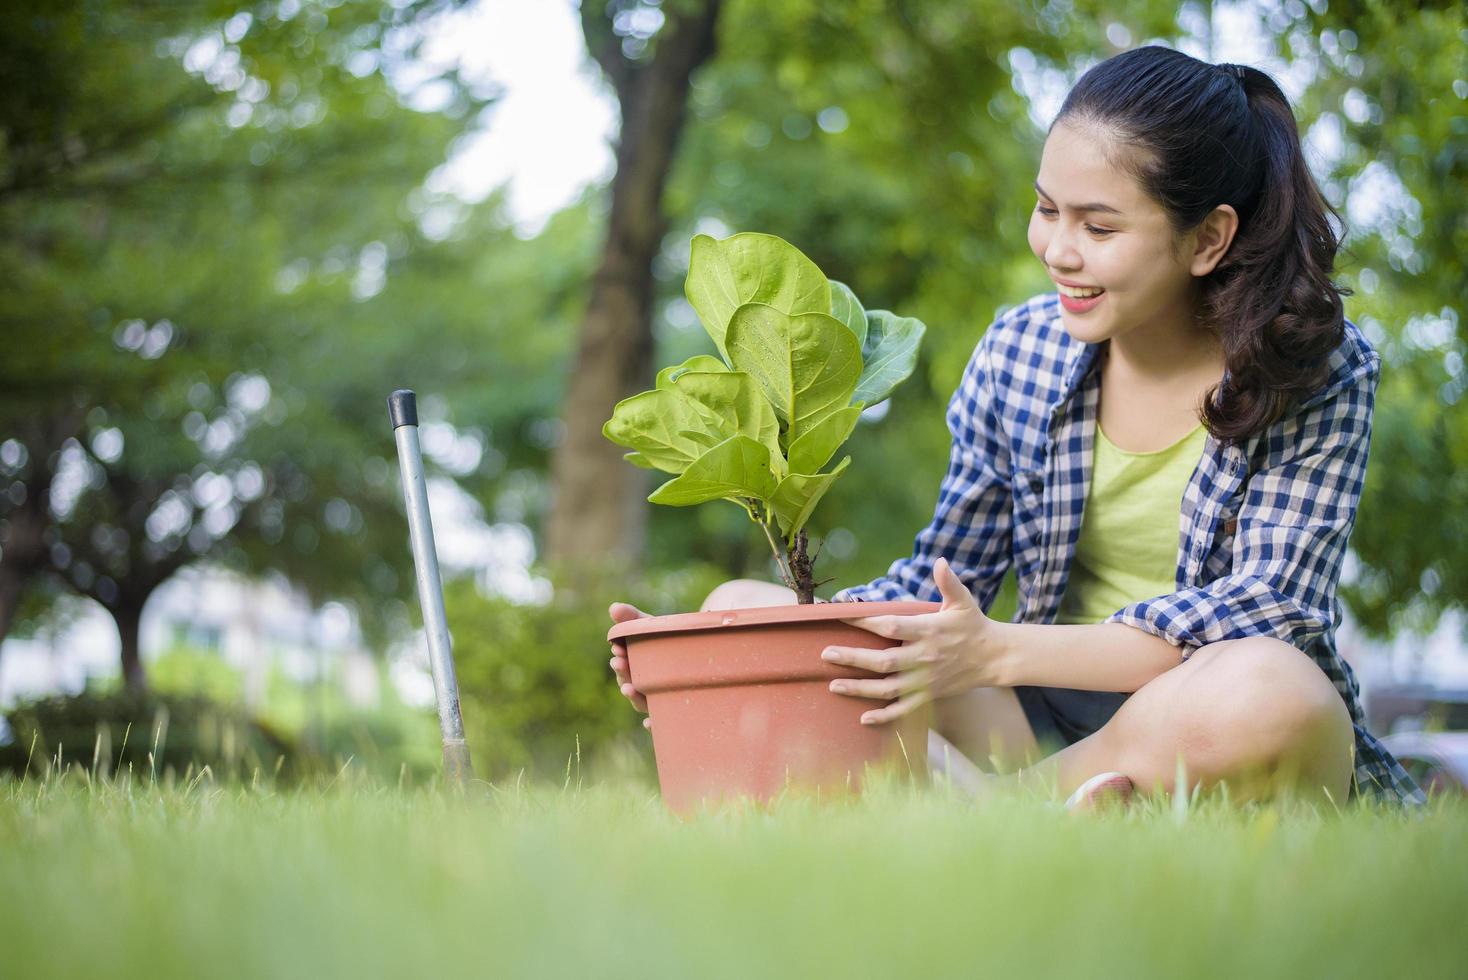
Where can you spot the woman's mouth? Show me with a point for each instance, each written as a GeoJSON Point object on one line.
{"type": "Point", "coordinates": [1080, 304]}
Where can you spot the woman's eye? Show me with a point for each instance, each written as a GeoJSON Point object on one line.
{"type": "Point", "coordinates": [1050, 213]}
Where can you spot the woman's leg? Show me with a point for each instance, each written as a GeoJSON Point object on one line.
{"type": "Point", "coordinates": [989, 727]}
{"type": "Point", "coordinates": [986, 725]}
{"type": "Point", "coordinates": [1255, 713]}
{"type": "Point", "coordinates": [748, 593]}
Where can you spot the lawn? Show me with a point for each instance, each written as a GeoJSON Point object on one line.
{"type": "Point", "coordinates": [127, 878]}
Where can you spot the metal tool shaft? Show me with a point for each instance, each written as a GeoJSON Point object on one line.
{"type": "Point", "coordinates": [403, 410]}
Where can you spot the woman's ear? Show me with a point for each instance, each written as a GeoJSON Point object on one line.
{"type": "Point", "coordinates": [1212, 239]}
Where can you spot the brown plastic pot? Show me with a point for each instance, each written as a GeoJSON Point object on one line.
{"type": "Point", "coordinates": [741, 706]}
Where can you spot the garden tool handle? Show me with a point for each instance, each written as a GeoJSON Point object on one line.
{"type": "Point", "coordinates": [402, 406]}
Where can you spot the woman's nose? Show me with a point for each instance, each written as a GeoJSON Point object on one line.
{"type": "Point", "coordinates": [1060, 252]}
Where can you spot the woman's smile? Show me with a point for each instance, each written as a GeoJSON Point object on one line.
{"type": "Point", "coordinates": [1077, 305]}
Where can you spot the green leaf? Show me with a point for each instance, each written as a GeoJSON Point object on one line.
{"type": "Point", "coordinates": [738, 467]}
{"type": "Point", "coordinates": [797, 495]}
{"type": "Point", "coordinates": [667, 428]}
{"type": "Point", "coordinates": [698, 362]}
{"type": "Point", "coordinates": [888, 355]}
{"type": "Point", "coordinates": [750, 268]}
{"type": "Point", "coordinates": [637, 459]}
{"type": "Point", "coordinates": [740, 408]}
{"type": "Point", "coordinates": [673, 426]}
{"type": "Point", "coordinates": [806, 365]}
{"type": "Point", "coordinates": [847, 308]}
{"type": "Point", "coordinates": [812, 451]}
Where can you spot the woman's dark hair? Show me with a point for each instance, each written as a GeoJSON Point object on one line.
{"type": "Point", "coordinates": [1194, 136]}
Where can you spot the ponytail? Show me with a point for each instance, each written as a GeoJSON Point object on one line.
{"type": "Point", "coordinates": [1271, 300]}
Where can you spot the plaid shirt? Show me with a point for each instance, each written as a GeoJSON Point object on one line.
{"type": "Point", "coordinates": [1262, 532]}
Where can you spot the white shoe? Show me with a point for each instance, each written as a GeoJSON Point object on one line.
{"type": "Point", "coordinates": [1102, 792]}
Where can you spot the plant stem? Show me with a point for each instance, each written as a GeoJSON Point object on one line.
{"type": "Point", "coordinates": [779, 560]}
{"type": "Point", "coordinates": [800, 566]}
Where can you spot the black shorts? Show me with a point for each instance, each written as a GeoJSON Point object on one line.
{"type": "Point", "coordinates": [1060, 716]}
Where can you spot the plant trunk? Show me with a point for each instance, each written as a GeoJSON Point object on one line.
{"type": "Point", "coordinates": [128, 618]}
{"type": "Point", "coordinates": [802, 570]}
{"type": "Point", "coordinates": [598, 511]}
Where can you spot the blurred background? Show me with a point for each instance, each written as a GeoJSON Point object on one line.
{"type": "Point", "coordinates": [229, 230]}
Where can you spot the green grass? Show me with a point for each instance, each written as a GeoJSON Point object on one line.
{"type": "Point", "coordinates": [125, 878]}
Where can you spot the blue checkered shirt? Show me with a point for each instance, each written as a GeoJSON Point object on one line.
{"type": "Point", "coordinates": [1262, 532]}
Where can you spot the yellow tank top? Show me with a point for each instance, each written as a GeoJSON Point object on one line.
{"type": "Point", "coordinates": [1128, 544]}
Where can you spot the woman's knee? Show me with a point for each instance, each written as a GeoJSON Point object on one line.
{"type": "Point", "coordinates": [1302, 726]}
{"type": "Point", "coordinates": [1279, 687]}
{"type": "Point", "coordinates": [1254, 710]}
{"type": "Point", "coordinates": [748, 593]}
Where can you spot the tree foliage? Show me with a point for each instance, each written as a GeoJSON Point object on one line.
{"type": "Point", "coordinates": [221, 253]}
{"type": "Point", "coordinates": [1393, 85]}
{"type": "Point", "coordinates": [202, 205]}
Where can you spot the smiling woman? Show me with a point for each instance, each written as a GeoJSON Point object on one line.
{"type": "Point", "coordinates": [1182, 431]}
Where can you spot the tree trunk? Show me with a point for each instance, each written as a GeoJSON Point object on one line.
{"type": "Point", "coordinates": [128, 618]}
{"type": "Point", "coordinates": [12, 583]}
{"type": "Point", "coordinates": [22, 546]}
{"type": "Point", "coordinates": [598, 510]}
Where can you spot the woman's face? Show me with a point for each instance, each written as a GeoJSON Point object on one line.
{"type": "Point", "coordinates": [1128, 250]}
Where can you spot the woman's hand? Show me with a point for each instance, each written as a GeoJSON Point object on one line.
{"type": "Point", "coordinates": [621, 612]}
{"type": "Point", "coordinates": [947, 652]}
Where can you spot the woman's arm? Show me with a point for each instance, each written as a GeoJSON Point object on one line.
{"type": "Point", "coordinates": [958, 648]}
{"type": "Point", "coordinates": [1089, 657]}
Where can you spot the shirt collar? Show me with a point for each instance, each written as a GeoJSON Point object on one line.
{"type": "Point", "coordinates": [1080, 358]}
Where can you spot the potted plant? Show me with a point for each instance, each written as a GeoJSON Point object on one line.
{"type": "Point", "coordinates": [739, 698]}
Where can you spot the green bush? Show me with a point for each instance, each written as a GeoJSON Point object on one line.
{"type": "Point", "coordinates": [185, 731]}
{"type": "Point", "coordinates": [389, 743]}
{"type": "Point", "coordinates": [536, 690]}
{"type": "Point", "coordinates": [185, 670]}
{"type": "Point", "coordinates": [152, 734]}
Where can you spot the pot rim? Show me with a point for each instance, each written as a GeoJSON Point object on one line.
{"type": "Point", "coordinates": [768, 615]}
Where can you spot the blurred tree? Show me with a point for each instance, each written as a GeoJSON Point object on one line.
{"type": "Point", "coordinates": [217, 266]}
{"type": "Point", "coordinates": [195, 356]}
{"type": "Point", "coordinates": [25, 507]}
{"type": "Point", "coordinates": [648, 52]}
{"type": "Point", "coordinates": [1391, 91]}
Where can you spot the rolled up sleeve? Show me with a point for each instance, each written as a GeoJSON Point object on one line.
{"type": "Point", "coordinates": [1293, 524]}
{"type": "Point", "coordinates": [972, 521]}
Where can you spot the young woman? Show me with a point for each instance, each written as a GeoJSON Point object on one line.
{"type": "Point", "coordinates": [1169, 450]}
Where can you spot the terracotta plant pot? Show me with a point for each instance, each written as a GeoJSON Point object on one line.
{"type": "Point", "coordinates": [740, 701]}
